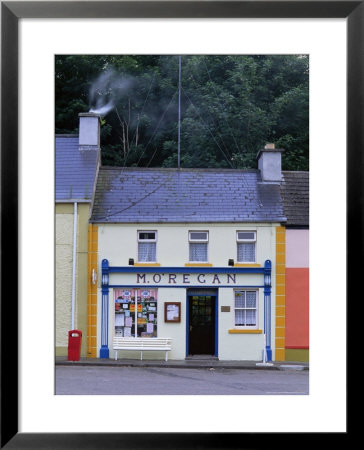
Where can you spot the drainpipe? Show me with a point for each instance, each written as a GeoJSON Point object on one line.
{"type": "Point", "coordinates": [74, 265]}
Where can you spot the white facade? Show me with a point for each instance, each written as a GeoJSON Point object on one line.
{"type": "Point", "coordinates": [118, 243]}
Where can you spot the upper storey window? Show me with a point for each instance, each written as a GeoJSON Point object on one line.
{"type": "Point", "coordinates": [198, 242]}
{"type": "Point", "coordinates": [147, 246]}
{"type": "Point", "coordinates": [246, 243]}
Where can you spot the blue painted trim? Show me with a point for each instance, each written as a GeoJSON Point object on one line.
{"type": "Point", "coordinates": [104, 352]}
{"type": "Point", "coordinates": [266, 270]}
{"type": "Point", "coordinates": [216, 343]}
{"type": "Point", "coordinates": [267, 307]}
{"type": "Point", "coordinates": [187, 324]}
{"type": "Point", "coordinates": [141, 269]}
{"type": "Point", "coordinates": [216, 324]}
{"type": "Point", "coordinates": [185, 286]}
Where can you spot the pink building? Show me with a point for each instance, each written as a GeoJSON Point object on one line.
{"type": "Point", "coordinates": [295, 196]}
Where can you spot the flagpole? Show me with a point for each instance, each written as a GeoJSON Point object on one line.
{"type": "Point", "coordinates": [179, 112]}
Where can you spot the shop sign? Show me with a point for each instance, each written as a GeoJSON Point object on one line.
{"type": "Point", "coordinates": [214, 279]}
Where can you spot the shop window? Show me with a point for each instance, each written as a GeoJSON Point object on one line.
{"type": "Point", "coordinates": [246, 243]}
{"type": "Point", "coordinates": [198, 241]}
{"type": "Point", "coordinates": [147, 246]}
{"type": "Point", "coordinates": [135, 312]}
{"type": "Point", "coordinates": [246, 308]}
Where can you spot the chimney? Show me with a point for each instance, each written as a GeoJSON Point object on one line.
{"type": "Point", "coordinates": [89, 131]}
{"type": "Point", "coordinates": [270, 163]}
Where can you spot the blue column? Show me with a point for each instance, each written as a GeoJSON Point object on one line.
{"type": "Point", "coordinates": [104, 350]}
{"type": "Point", "coordinates": [267, 307]}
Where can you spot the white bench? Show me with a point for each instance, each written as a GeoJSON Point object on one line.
{"type": "Point", "coordinates": [142, 344]}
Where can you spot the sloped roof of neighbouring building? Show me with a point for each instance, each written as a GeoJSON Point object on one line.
{"type": "Point", "coordinates": [75, 169]}
{"type": "Point", "coordinates": [137, 195]}
{"type": "Point", "coordinates": [295, 197]}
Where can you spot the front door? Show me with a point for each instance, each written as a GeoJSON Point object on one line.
{"type": "Point", "coordinates": [201, 324]}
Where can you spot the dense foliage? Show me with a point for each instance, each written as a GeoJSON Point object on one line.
{"type": "Point", "coordinates": [230, 107]}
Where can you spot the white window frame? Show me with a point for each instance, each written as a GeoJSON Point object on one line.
{"type": "Point", "coordinates": [147, 240]}
{"type": "Point", "coordinates": [247, 241]}
{"type": "Point", "coordinates": [247, 327]}
{"type": "Point", "coordinates": [198, 241]}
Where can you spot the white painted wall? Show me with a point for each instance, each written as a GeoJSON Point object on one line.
{"type": "Point", "coordinates": [118, 243]}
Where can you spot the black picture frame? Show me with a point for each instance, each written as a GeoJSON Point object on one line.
{"type": "Point", "coordinates": [11, 13]}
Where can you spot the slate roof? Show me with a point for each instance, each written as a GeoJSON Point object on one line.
{"type": "Point", "coordinates": [75, 169]}
{"type": "Point", "coordinates": [295, 197]}
{"type": "Point", "coordinates": [140, 195]}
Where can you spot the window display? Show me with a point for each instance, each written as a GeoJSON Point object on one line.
{"type": "Point", "coordinates": [139, 321]}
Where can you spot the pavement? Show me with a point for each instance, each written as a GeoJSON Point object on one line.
{"type": "Point", "coordinates": [198, 362]}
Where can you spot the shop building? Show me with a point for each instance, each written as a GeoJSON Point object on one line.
{"type": "Point", "coordinates": [190, 254]}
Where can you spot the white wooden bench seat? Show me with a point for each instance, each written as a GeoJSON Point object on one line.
{"type": "Point", "coordinates": [142, 344]}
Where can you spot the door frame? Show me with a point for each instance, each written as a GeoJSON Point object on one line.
{"type": "Point", "coordinates": [216, 334]}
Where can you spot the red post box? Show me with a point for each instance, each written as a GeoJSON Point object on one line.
{"type": "Point", "coordinates": [74, 345]}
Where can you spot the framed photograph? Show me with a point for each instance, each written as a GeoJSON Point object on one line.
{"type": "Point", "coordinates": [38, 275]}
{"type": "Point", "coordinates": [172, 312]}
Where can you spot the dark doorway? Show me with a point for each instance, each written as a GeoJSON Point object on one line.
{"type": "Point", "coordinates": [201, 330]}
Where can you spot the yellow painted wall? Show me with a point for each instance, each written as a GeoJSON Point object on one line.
{"type": "Point", "coordinates": [64, 256]}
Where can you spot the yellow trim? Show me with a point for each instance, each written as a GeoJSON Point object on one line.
{"type": "Point", "coordinates": [280, 238]}
{"type": "Point", "coordinates": [147, 264]}
{"type": "Point", "coordinates": [280, 354]}
{"type": "Point", "coordinates": [280, 321]}
{"type": "Point", "coordinates": [281, 289]}
{"type": "Point", "coordinates": [280, 258]}
{"type": "Point", "coordinates": [280, 326]}
{"type": "Point", "coordinates": [280, 332]}
{"type": "Point", "coordinates": [237, 331]}
{"type": "Point", "coordinates": [198, 265]}
{"type": "Point", "coordinates": [247, 265]}
{"type": "Point", "coordinates": [92, 292]}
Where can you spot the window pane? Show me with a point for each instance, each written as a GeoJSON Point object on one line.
{"type": "Point", "coordinates": [250, 317]}
{"type": "Point", "coordinates": [239, 317]}
{"type": "Point", "coordinates": [246, 252]}
{"type": "Point", "coordinates": [198, 236]}
{"type": "Point", "coordinates": [147, 251]}
{"type": "Point", "coordinates": [239, 300]}
{"type": "Point", "coordinates": [146, 235]}
{"type": "Point", "coordinates": [250, 299]}
{"type": "Point", "coordinates": [198, 252]}
{"type": "Point", "coordinates": [246, 235]}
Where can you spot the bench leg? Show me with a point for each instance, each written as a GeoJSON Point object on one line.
{"type": "Point", "coordinates": [141, 356]}
{"type": "Point", "coordinates": [116, 355]}
{"type": "Point", "coordinates": [166, 356]}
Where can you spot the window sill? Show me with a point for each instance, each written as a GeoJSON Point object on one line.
{"type": "Point", "coordinates": [144, 264]}
{"type": "Point", "coordinates": [247, 265]}
{"type": "Point", "coordinates": [198, 265]}
{"type": "Point", "coordinates": [240, 331]}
